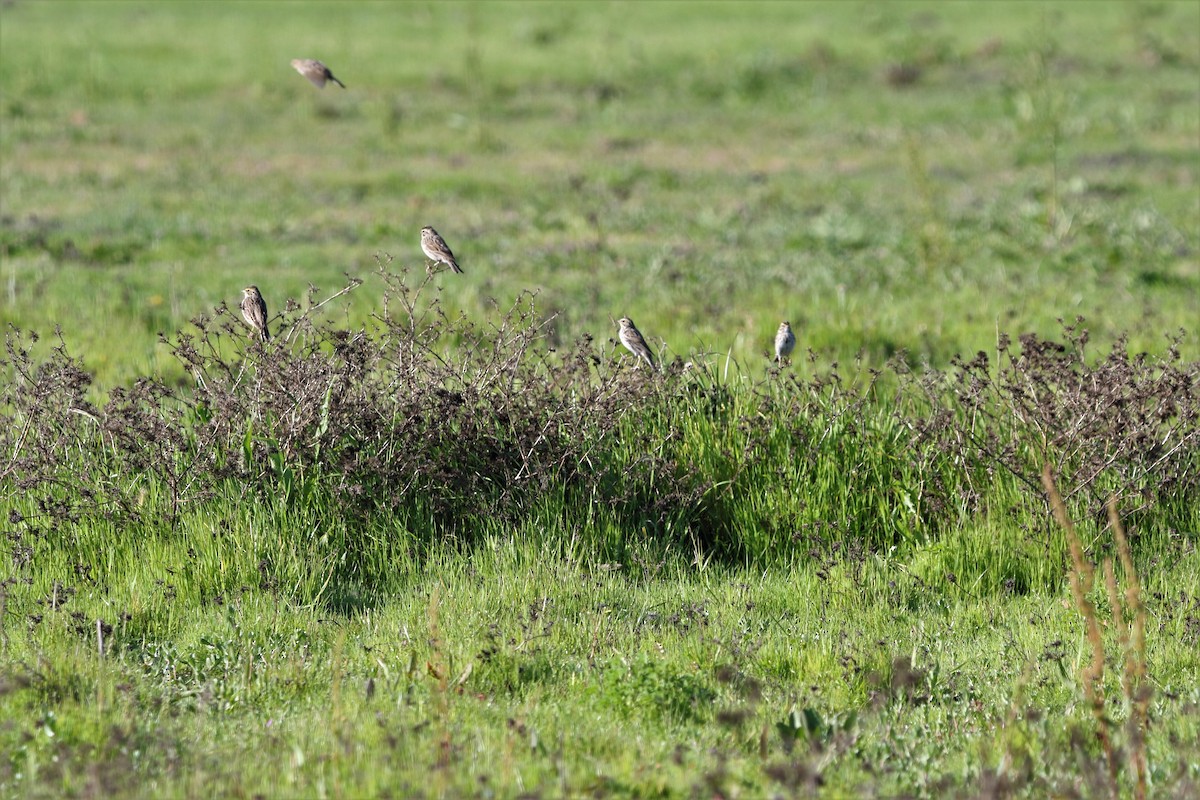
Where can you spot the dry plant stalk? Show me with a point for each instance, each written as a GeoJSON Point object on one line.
{"type": "Point", "coordinates": [1133, 645]}
{"type": "Point", "coordinates": [1133, 679]}
{"type": "Point", "coordinates": [1082, 580]}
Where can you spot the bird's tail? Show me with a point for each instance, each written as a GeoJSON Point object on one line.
{"type": "Point", "coordinates": [454, 266]}
{"type": "Point", "coordinates": [335, 80]}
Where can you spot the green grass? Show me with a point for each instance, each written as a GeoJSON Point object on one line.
{"type": "Point", "coordinates": [541, 671]}
{"type": "Point", "coordinates": [803, 619]}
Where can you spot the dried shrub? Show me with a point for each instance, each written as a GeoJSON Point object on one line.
{"type": "Point", "coordinates": [48, 421]}
{"type": "Point", "coordinates": [1124, 426]}
{"type": "Point", "coordinates": [424, 411]}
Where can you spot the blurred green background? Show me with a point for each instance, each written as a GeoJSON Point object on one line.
{"type": "Point", "coordinates": [887, 176]}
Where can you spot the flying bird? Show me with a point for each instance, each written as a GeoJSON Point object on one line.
{"type": "Point", "coordinates": [316, 72]}
{"type": "Point", "coordinates": [254, 311]}
{"type": "Point", "coordinates": [436, 249]}
{"type": "Point", "coordinates": [631, 337]}
{"type": "Point", "coordinates": [785, 342]}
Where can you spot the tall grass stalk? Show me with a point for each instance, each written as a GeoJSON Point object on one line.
{"type": "Point", "coordinates": [1128, 621]}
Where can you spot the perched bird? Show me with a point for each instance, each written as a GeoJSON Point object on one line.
{"type": "Point", "coordinates": [631, 337]}
{"type": "Point", "coordinates": [254, 310]}
{"type": "Point", "coordinates": [436, 249]}
{"type": "Point", "coordinates": [316, 72]}
{"type": "Point", "coordinates": [785, 342]}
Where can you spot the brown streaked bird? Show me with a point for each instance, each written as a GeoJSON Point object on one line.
{"type": "Point", "coordinates": [631, 337]}
{"type": "Point", "coordinates": [254, 311]}
{"type": "Point", "coordinates": [316, 72]}
{"type": "Point", "coordinates": [436, 249]}
{"type": "Point", "coordinates": [785, 342]}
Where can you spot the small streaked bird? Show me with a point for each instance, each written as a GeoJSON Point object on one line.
{"type": "Point", "coordinates": [631, 337]}
{"type": "Point", "coordinates": [785, 342]}
{"type": "Point", "coordinates": [436, 249]}
{"type": "Point", "coordinates": [254, 310]}
{"type": "Point", "coordinates": [316, 72]}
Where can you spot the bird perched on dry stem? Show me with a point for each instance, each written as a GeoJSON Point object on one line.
{"type": "Point", "coordinates": [436, 249]}
{"type": "Point", "coordinates": [785, 342]}
{"type": "Point", "coordinates": [316, 72]}
{"type": "Point", "coordinates": [254, 311]}
{"type": "Point", "coordinates": [631, 337]}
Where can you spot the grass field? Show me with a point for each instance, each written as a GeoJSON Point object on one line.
{"type": "Point", "coordinates": [441, 539]}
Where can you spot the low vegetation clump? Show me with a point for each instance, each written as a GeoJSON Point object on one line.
{"type": "Point", "coordinates": [431, 417]}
